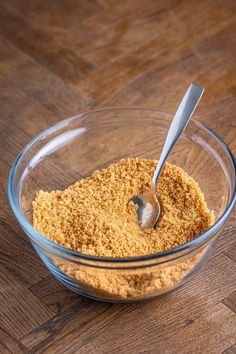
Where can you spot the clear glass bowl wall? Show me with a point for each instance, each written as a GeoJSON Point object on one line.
{"type": "Point", "coordinates": [74, 148]}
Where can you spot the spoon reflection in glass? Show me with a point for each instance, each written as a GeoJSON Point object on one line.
{"type": "Point", "coordinates": [148, 207]}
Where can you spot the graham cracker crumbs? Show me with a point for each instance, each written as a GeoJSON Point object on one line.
{"type": "Point", "coordinates": [129, 284]}
{"type": "Point", "coordinates": [94, 216]}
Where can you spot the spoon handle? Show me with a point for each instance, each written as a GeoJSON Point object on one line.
{"type": "Point", "coordinates": [179, 123]}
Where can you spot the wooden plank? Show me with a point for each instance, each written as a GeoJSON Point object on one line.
{"type": "Point", "coordinates": [16, 252]}
{"type": "Point", "coordinates": [230, 301]}
{"type": "Point", "coordinates": [38, 82]}
{"type": "Point", "coordinates": [156, 86]}
{"type": "Point", "coordinates": [128, 28]}
{"type": "Point", "coordinates": [65, 23]}
{"type": "Point", "coordinates": [54, 294]}
{"type": "Point", "coordinates": [226, 241]}
{"type": "Point", "coordinates": [231, 350]}
{"type": "Point", "coordinates": [21, 311]}
{"type": "Point", "coordinates": [17, 257]}
{"type": "Point", "coordinates": [8, 344]}
{"type": "Point", "coordinates": [231, 249]}
{"type": "Point", "coordinates": [153, 57]}
{"type": "Point", "coordinates": [62, 61]}
{"type": "Point", "coordinates": [221, 334]}
{"type": "Point", "coordinates": [82, 312]}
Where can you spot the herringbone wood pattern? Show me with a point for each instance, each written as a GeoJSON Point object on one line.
{"type": "Point", "coordinates": [60, 57]}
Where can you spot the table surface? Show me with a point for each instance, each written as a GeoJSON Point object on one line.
{"type": "Point", "coordinates": [62, 57]}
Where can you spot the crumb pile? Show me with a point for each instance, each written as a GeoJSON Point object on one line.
{"type": "Point", "coordinates": [94, 216]}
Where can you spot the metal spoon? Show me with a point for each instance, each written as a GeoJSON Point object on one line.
{"type": "Point", "coordinates": [148, 210]}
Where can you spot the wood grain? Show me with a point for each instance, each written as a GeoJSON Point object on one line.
{"type": "Point", "coordinates": [58, 58]}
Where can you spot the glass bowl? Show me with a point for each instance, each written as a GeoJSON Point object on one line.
{"type": "Point", "coordinates": [74, 148]}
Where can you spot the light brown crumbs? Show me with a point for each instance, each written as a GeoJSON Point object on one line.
{"type": "Point", "coordinates": [94, 216]}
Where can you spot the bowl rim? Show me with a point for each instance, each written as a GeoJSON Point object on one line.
{"type": "Point", "coordinates": [31, 231]}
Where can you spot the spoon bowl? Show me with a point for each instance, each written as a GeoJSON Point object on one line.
{"type": "Point", "coordinates": [148, 208]}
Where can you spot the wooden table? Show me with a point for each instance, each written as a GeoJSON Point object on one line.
{"type": "Point", "coordinates": [62, 57]}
